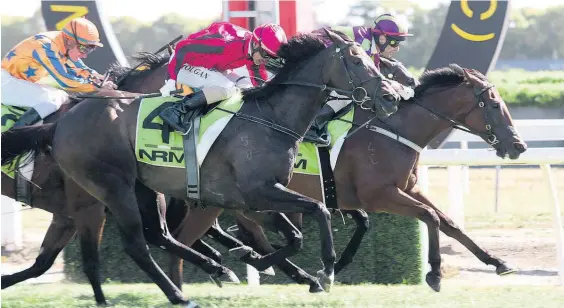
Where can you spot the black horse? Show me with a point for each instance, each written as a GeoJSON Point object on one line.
{"type": "Point", "coordinates": [247, 167]}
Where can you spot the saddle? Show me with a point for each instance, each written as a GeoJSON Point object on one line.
{"type": "Point", "coordinates": [191, 121]}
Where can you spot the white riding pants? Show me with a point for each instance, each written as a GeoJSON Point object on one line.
{"type": "Point", "coordinates": [216, 85]}
{"type": "Point", "coordinates": [22, 93]}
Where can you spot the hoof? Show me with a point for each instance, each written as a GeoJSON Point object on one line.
{"type": "Point", "coordinates": [503, 269]}
{"type": "Point", "coordinates": [216, 280]}
{"type": "Point", "coordinates": [269, 271]}
{"type": "Point", "coordinates": [434, 282]}
{"type": "Point", "coordinates": [325, 280]}
{"type": "Point", "coordinates": [315, 287]}
{"type": "Point", "coordinates": [190, 304]}
{"type": "Point", "coordinates": [102, 304]}
{"type": "Point", "coordinates": [240, 252]}
{"type": "Point", "coordinates": [227, 276]}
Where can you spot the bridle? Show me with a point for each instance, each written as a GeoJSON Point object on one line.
{"type": "Point", "coordinates": [358, 94]}
{"type": "Point", "coordinates": [490, 121]}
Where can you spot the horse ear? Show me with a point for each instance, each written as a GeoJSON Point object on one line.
{"type": "Point", "coordinates": [468, 74]}
{"type": "Point", "coordinates": [333, 37]}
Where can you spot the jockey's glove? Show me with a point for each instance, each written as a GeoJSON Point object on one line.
{"type": "Point", "coordinates": [406, 92]}
{"type": "Point", "coordinates": [169, 86]}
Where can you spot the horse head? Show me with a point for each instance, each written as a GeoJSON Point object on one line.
{"type": "Point", "coordinates": [349, 68]}
{"type": "Point", "coordinates": [474, 105]}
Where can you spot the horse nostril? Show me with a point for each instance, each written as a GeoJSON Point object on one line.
{"type": "Point", "coordinates": [519, 146]}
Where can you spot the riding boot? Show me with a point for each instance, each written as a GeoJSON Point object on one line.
{"type": "Point", "coordinates": [318, 133]}
{"type": "Point", "coordinates": [28, 118]}
{"type": "Point", "coordinates": [173, 114]}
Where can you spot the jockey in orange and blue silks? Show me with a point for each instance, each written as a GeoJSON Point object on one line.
{"type": "Point", "coordinates": [37, 72]}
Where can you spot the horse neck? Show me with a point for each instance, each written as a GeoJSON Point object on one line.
{"type": "Point", "coordinates": [149, 83]}
{"type": "Point", "coordinates": [296, 106]}
{"type": "Point", "coordinates": [417, 124]}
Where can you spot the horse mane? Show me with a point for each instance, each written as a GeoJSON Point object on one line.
{"type": "Point", "coordinates": [440, 77]}
{"type": "Point", "coordinates": [150, 62]}
{"type": "Point", "coordinates": [295, 54]}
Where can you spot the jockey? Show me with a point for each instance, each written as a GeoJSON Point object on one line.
{"type": "Point", "coordinates": [381, 41]}
{"type": "Point", "coordinates": [33, 68]}
{"type": "Point", "coordinates": [205, 60]}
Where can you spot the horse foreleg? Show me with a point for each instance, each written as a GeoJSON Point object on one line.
{"type": "Point", "coordinates": [449, 228]}
{"type": "Point", "coordinates": [362, 221]}
{"type": "Point", "coordinates": [399, 202]}
{"type": "Point", "coordinates": [60, 231]}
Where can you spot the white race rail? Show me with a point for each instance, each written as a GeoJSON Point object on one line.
{"type": "Point", "coordinates": [454, 159]}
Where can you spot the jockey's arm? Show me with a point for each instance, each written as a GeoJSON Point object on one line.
{"type": "Point", "coordinates": [49, 59]}
{"type": "Point", "coordinates": [200, 52]}
{"type": "Point", "coordinates": [82, 70]}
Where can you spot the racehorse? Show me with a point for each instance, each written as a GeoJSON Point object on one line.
{"type": "Point", "coordinates": [105, 165]}
{"type": "Point", "coordinates": [250, 231]}
{"type": "Point", "coordinates": [377, 170]}
{"type": "Point", "coordinates": [77, 212]}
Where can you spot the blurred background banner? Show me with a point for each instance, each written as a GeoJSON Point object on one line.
{"type": "Point", "coordinates": [57, 14]}
{"type": "Point", "coordinates": [472, 37]}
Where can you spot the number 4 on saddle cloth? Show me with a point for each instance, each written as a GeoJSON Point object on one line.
{"type": "Point", "coordinates": [159, 145]}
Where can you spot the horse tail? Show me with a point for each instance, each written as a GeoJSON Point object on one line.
{"type": "Point", "coordinates": [25, 140]}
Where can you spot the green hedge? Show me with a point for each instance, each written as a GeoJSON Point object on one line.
{"type": "Point", "coordinates": [390, 254]}
{"type": "Point", "coordinates": [524, 88]}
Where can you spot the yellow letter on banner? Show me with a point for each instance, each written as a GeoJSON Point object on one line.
{"type": "Point", "coordinates": [76, 10]}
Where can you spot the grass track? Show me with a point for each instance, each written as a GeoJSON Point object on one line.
{"type": "Point", "coordinates": [207, 295]}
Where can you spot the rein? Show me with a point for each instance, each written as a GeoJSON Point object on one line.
{"type": "Point", "coordinates": [148, 95]}
{"type": "Point", "coordinates": [323, 87]}
{"type": "Point", "coordinates": [488, 135]}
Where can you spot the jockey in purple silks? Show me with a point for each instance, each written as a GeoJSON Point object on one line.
{"type": "Point", "coordinates": [380, 41]}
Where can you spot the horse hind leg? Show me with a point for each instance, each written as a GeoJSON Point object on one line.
{"type": "Point", "coordinates": [362, 221]}
{"type": "Point", "coordinates": [175, 264]}
{"type": "Point", "coordinates": [110, 186]}
{"type": "Point", "coordinates": [157, 233]}
{"type": "Point", "coordinates": [58, 234]}
{"type": "Point", "coordinates": [245, 253]}
{"type": "Point", "coordinates": [449, 228]}
{"type": "Point", "coordinates": [280, 199]}
{"type": "Point", "coordinates": [90, 224]}
{"type": "Point", "coordinates": [256, 239]}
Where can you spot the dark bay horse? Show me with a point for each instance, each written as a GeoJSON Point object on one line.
{"type": "Point", "coordinates": [187, 232]}
{"type": "Point", "coordinates": [105, 165]}
{"type": "Point", "coordinates": [375, 172]}
{"type": "Point", "coordinates": [76, 212]}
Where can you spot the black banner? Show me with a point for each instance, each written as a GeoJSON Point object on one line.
{"type": "Point", "coordinates": [57, 14]}
{"type": "Point", "coordinates": [472, 37]}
